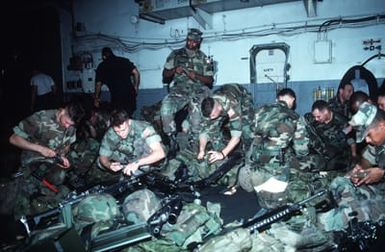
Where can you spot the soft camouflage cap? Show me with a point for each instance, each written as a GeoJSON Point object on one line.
{"type": "Point", "coordinates": [362, 120]}
{"type": "Point", "coordinates": [194, 34]}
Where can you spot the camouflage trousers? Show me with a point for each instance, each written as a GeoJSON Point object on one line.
{"type": "Point", "coordinates": [344, 191]}
{"type": "Point", "coordinates": [366, 201]}
{"type": "Point", "coordinates": [301, 181]}
{"type": "Point", "coordinates": [338, 219]}
{"type": "Point", "coordinates": [178, 98]}
{"type": "Point", "coordinates": [199, 169]}
{"type": "Point", "coordinates": [283, 236]}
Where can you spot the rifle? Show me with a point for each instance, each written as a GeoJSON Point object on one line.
{"type": "Point", "coordinates": [214, 177]}
{"type": "Point", "coordinates": [263, 222]}
{"type": "Point", "coordinates": [63, 211]}
{"type": "Point", "coordinates": [168, 213]}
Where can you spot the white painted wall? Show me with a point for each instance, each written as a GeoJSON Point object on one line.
{"type": "Point", "coordinates": [112, 18]}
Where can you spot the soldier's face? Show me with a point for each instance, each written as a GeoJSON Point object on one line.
{"type": "Point", "coordinates": [347, 92]}
{"type": "Point", "coordinates": [217, 110]}
{"type": "Point", "coordinates": [192, 44]}
{"type": "Point", "coordinates": [381, 102]}
{"type": "Point", "coordinates": [122, 130]}
{"type": "Point", "coordinates": [322, 116]}
{"type": "Point", "coordinates": [64, 119]}
{"type": "Point", "coordinates": [376, 135]}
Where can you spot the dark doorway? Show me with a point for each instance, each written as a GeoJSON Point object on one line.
{"type": "Point", "coordinates": [30, 39]}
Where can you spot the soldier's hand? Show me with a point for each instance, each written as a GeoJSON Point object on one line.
{"type": "Point", "coordinates": [179, 70]}
{"type": "Point", "coordinates": [215, 156]}
{"type": "Point", "coordinates": [116, 166]}
{"type": "Point", "coordinates": [47, 152]}
{"type": "Point", "coordinates": [201, 155]}
{"type": "Point", "coordinates": [130, 168]}
{"type": "Point", "coordinates": [354, 174]}
{"type": "Point", "coordinates": [373, 175]}
{"type": "Point", "coordinates": [192, 75]}
{"type": "Point", "coordinates": [66, 163]}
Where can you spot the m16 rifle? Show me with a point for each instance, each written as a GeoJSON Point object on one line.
{"type": "Point", "coordinates": [263, 222]}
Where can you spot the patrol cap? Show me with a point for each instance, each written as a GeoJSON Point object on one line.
{"type": "Point", "coordinates": [363, 119]}
{"type": "Point", "coordinates": [194, 34]}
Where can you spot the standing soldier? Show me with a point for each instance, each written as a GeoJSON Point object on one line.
{"type": "Point", "coordinates": [192, 73]}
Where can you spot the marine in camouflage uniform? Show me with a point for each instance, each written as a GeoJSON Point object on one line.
{"type": "Point", "coordinates": [129, 144]}
{"type": "Point", "coordinates": [226, 125]}
{"type": "Point", "coordinates": [280, 136]}
{"type": "Point", "coordinates": [340, 103]}
{"type": "Point", "coordinates": [231, 103]}
{"type": "Point", "coordinates": [42, 136]}
{"type": "Point", "coordinates": [362, 190]}
{"type": "Point", "coordinates": [85, 151]}
{"type": "Point", "coordinates": [327, 138]}
{"type": "Point", "coordinates": [191, 72]}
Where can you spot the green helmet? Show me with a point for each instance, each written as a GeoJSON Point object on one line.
{"type": "Point", "coordinates": [139, 206]}
{"type": "Point", "coordinates": [95, 209]}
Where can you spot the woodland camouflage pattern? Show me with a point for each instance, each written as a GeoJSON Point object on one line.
{"type": "Point", "coordinates": [185, 91]}
{"type": "Point", "coordinates": [276, 127]}
{"type": "Point", "coordinates": [42, 128]}
{"type": "Point", "coordinates": [134, 146]}
{"type": "Point", "coordinates": [100, 210]}
{"type": "Point", "coordinates": [237, 98]}
{"type": "Point", "coordinates": [330, 142]}
{"type": "Point", "coordinates": [140, 205]}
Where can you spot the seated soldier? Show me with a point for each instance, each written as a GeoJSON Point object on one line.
{"type": "Point", "coordinates": [45, 138]}
{"type": "Point", "coordinates": [361, 191]}
{"type": "Point", "coordinates": [85, 151]}
{"type": "Point", "coordinates": [129, 144]}
{"type": "Point", "coordinates": [327, 138]}
{"type": "Point", "coordinates": [340, 103]}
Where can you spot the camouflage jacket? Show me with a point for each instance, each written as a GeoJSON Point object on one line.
{"type": "Point", "coordinates": [189, 60]}
{"type": "Point", "coordinates": [43, 128]}
{"type": "Point", "coordinates": [137, 143]}
{"type": "Point", "coordinates": [340, 108]}
{"type": "Point", "coordinates": [328, 139]}
{"type": "Point", "coordinates": [278, 127]}
{"type": "Point", "coordinates": [237, 98]}
{"type": "Point", "coordinates": [375, 155]}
